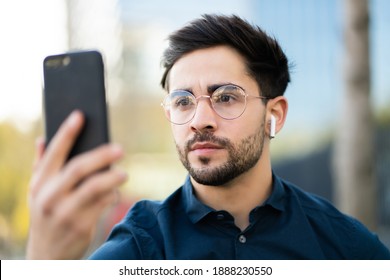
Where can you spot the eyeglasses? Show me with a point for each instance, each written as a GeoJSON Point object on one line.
{"type": "Point", "coordinates": [228, 101]}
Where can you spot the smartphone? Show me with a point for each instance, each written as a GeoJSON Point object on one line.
{"type": "Point", "coordinates": [75, 80]}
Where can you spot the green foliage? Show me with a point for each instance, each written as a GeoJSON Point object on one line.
{"type": "Point", "coordinates": [16, 157]}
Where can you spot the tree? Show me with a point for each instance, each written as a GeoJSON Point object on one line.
{"type": "Point", "coordinates": [355, 184]}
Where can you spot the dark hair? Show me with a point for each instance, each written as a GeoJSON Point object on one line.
{"type": "Point", "coordinates": [265, 59]}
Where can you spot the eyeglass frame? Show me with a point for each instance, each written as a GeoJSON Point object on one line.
{"type": "Point", "coordinates": [246, 95]}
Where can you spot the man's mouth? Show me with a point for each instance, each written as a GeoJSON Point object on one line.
{"type": "Point", "coordinates": [205, 148]}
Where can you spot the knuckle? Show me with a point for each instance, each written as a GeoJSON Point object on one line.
{"type": "Point", "coordinates": [93, 185]}
{"type": "Point", "coordinates": [64, 219]}
{"type": "Point", "coordinates": [93, 188]}
{"type": "Point", "coordinates": [76, 169]}
{"type": "Point", "coordinates": [46, 208]}
{"type": "Point", "coordinates": [101, 187]}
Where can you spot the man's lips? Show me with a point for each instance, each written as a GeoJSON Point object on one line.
{"type": "Point", "coordinates": [202, 148]}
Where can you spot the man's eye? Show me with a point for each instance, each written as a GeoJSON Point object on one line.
{"type": "Point", "coordinates": [225, 98]}
{"type": "Point", "coordinates": [183, 101]}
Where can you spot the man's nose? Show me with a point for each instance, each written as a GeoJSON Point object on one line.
{"type": "Point", "coordinates": [205, 117]}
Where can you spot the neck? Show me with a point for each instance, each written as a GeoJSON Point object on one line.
{"type": "Point", "coordinates": [240, 195]}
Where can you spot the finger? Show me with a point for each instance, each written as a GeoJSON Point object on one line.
{"type": "Point", "coordinates": [39, 150]}
{"type": "Point", "coordinates": [59, 148]}
{"type": "Point", "coordinates": [100, 186]}
{"type": "Point", "coordinates": [94, 211]}
{"type": "Point", "coordinates": [54, 156]}
{"type": "Point", "coordinates": [91, 162]}
{"type": "Point", "coordinates": [80, 226]}
{"type": "Point", "coordinates": [87, 203]}
{"type": "Point", "coordinates": [78, 170]}
{"type": "Point", "coordinates": [95, 190]}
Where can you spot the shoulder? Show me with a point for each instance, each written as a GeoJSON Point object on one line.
{"type": "Point", "coordinates": [138, 235]}
{"type": "Point", "coordinates": [146, 213]}
{"type": "Point", "coordinates": [345, 233]}
{"type": "Point", "coordinates": [312, 205]}
{"type": "Point", "coordinates": [310, 202]}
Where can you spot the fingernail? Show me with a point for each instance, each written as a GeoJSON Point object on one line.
{"type": "Point", "coordinates": [73, 118]}
{"type": "Point", "coordinates": [116, 149]}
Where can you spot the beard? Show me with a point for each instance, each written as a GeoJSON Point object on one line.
{"type": "Point", "coordinates": [241, 157]}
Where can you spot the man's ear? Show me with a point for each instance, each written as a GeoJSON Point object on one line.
{"type": "Point", "coordinates": [278, 108]}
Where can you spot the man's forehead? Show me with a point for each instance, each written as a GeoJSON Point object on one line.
{"type": "Point", "coordinates": [207, 67]}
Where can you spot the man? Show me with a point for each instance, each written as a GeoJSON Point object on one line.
{"type": "Point", "coordinates": [225, 81]}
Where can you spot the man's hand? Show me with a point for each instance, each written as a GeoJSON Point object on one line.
{"type": "Point", "coordinates": [67, 198]}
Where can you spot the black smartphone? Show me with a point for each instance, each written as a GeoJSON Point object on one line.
{"type": "Point", "coordinates": [75, 80]}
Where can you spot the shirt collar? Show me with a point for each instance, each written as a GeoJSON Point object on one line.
{"type": "Point", "coordinates": [196, 210]}
{"type": "Point", "coordinates": [277, 197]}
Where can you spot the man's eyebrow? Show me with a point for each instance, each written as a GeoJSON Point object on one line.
{"type": "Point", "coordinates": [182, 89]}
{"type": "Point", "coordinates": [212, 88]}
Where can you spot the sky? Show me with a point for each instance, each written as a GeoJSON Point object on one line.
{"type": "Point", "coordinates": [309, 31]}
{"type": "Point", "coordinates": [29, 31]}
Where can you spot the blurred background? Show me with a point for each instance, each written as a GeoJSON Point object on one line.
{"type": "Point", "coordinates": [336, 142]}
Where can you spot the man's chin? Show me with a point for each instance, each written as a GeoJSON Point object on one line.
{"type": "Point", "coordinates": [211, 176]}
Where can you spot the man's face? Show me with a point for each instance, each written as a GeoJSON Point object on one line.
{"type": "Point", "coordinates": [215, 150]}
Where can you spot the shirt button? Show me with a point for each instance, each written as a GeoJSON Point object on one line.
{"type": "Point", "coordinates": [242, 239]}
{"type": "Point", "coordinates": [220, 217]}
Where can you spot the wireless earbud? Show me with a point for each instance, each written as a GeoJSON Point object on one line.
{"type": "Point", "coordinates": [272, 127]}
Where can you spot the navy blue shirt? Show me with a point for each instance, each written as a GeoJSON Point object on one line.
{"type": "Point", "coordinates": [290, 224]}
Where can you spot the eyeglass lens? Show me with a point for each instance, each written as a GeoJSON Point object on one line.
{"type": "Point", "coordinates": [228, 101]}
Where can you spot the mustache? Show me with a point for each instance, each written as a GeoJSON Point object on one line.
{"type": "Point", "coordinates": [207, 137]}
